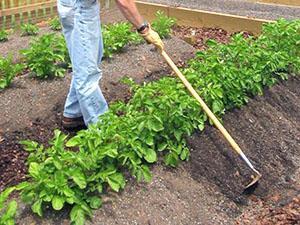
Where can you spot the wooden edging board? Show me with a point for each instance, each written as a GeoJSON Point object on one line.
{"type": "Point", "coordinates": [279, 2]}
{"type": "Point", "coordinates": [200, 18]}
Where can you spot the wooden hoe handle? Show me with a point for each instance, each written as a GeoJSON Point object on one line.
{"type": "Point", "coordinates": [210, 114]}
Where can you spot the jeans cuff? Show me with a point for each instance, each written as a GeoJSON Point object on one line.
{"type": "Point", "coordinates": [72, 115]}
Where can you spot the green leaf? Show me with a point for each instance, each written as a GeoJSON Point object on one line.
{"type": "Point", "coordinates": [74, 141]}
{"type": "Point", "coordinates": [29, 146]}
{"type": "Point", "coordinates": [99, 188]}
{"type": "Point", "coordinates": [146, 173]}
{"type": "Point", "coordinates": [178, 134]}
{"type": "Point", "coordinates": [150, 155]}
{"type": "Point", "coordinates": [3, 84]}
{"type": "Point", "coordinates": [22, 185]}
{"type": "Point", "coordinates": [37, 208]}
{"type": "Point", "coordinates": [95, 202]}
{"type": "Point", "coordinates": [34, 170]}
{"type": "Point", "coordinates": [171, 159]}
{"type": "Point", "coordinates": [184, 154]}
{"type": "Point", "coordinates": [79, 178]}
{"type": "Point", "coordinates": [149, 140]}
{"type": "Point", "coordinates": [58, 202]}
{"type": "Point", "coordinates": [116, 181]}
{"type": "Point", "coordinates": [217, 106]}
{"type": "Point", "coordinates": [162, 146]}
{"type": "Point", "coordinates": [77, 215]}
{"type": "Point", "coordinates": [57, 164]}
{"type": "Point", "coordinates": [155, 124]}
{"type": "Point", "coordinates": [11, 209]}
{"type": "Point", "coordinates": [4, 195]}
{"type": "Point", "coordinates": [68, 192]}
{"type": "Point", "coordinates": [201, 126]}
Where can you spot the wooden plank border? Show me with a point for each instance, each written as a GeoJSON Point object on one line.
{"type": "Point", "coordinates": [294, 3]}
{"type": "Point", "coordinates": [200, 18]}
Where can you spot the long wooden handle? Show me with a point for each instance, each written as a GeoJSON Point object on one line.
{"type": "Point", "coordinates": [210, 114]}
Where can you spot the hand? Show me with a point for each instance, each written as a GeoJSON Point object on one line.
{"type": "Point", "coordinates": [152, 37]}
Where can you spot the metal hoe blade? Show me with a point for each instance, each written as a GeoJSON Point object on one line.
{"type": "Point", "coordinates": [254, 182]}
{"type": "Point", "coordinates": [256, 177]}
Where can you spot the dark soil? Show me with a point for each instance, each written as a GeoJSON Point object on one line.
{"type": "Point", "coordinates": [268, 132]}
{"type": "Point", "coordinates": [198, 36]}
{"type": "Point", "coordinates": [12, 160]}
{"type": "Point", "coordinates": [206, 190]}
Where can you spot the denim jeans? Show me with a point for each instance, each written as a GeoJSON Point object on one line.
{"type": "Point", "coordinates": [82, 30]}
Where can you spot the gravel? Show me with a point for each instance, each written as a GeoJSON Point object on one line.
{"type": "Point", "coordinates": [238, 7]}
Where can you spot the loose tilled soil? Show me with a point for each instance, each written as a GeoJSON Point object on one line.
{"type": "Point", "coordinates": [205, 190]}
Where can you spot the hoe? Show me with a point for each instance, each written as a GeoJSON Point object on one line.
{"type": "Point", "coordinates": [235, 146]}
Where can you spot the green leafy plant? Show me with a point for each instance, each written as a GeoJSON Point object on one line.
{"type": "Point", "coordinates": [155, 122]}
{"type": "Point", "coordinates": [45, 55]}
{"type": "Point", "coordinates": [61, 177]}
{"type": "Point", "coordinates": [116, 37]}
{"type": "Point", "coordinates": [7, 212]}
{"type": "Point", "coordinates": [55, 24]}
{"type": "Point", "coordinates": [8, 70]}
{"type": "Point", "coordinates": [163, 24]}
{"type": "Point", "coordinates": [3, 36]}
{"type": "Point", "coordinates": [29, 29]}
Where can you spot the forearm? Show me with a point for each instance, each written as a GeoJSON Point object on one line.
{"type": "Point", "coordinates": [130, 11]}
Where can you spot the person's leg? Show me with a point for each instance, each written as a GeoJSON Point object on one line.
{"type": "Point", "coordinates": [87, 51]}
{"type": "Point", "coordinates": [66, 11]}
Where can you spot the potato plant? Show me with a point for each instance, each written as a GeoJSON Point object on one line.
{"type": "Point", "coordinates": [55, 24]}
{"type": "Point", "coordinates": [7, 212]}
{"type": "Point", "coordinates": [8, 71]}
{"type": "Point", "coordinates": [3, 36]}
{"type": "Point", "coordinates": [163, 24]}
{"type": "Point", "coordinates": [117, 36]}
{"type": "Point", "coordinates": [29, 29]}
{"type": "Point", "coordinates": [155, 122]}
{"type": "Point", "coordinates": [45, 55]}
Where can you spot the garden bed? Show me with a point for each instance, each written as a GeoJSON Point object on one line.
{"type": "Point", "coordinates": [42, 111]}
{"type": "Point", "coordinates": [208, 188]}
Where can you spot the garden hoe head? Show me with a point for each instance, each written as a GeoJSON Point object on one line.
{"type": "Point", "coordinates": [217, 123]}
{"type": "Point", "coordinates": [253, 184]}
{"type": "Point", "coordinates": [255, 178]}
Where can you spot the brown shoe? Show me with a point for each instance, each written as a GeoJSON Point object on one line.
{"type": "Point", "coordinates": [73, 123]}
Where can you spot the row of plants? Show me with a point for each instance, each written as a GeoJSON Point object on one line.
{"type": "Point", "coordinates": [29, 29]}
{"type": "Point", "coordinates": [154, 124]}
{"type": "Point", "coordinates": [117, 36]}
{"type": "Point", "coordinates": [47, 56]}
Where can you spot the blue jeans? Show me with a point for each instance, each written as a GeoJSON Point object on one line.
{"type": "Point", "coordinates": [82, 30]}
